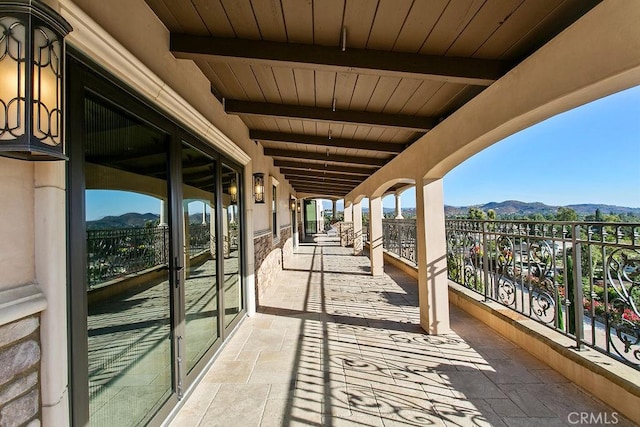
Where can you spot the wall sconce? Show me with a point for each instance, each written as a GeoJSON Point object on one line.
{"type": "Point", "coordinates": [258, 187]}
{"type": "Point", "coordinates": [233, 192]}
{"type": "Point", "coordinates": [298, 208]}
{"type": "Point", "coordinates": [293, 205]}
{"type": "Point", "coordinates": [31, 81]}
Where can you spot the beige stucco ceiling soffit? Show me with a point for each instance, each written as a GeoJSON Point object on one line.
{"type": "Point", "coordinates": [91, 39]}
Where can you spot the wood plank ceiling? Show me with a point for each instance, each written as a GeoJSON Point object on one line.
{"type": "Point", "coordinates": [334, 89]}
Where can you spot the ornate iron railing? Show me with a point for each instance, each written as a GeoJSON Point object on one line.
{"type": "Point", "coordinates": [399, 237]}
{"type": "Point", "coordinates": [580, 278]}
{"type": "Point", "coordinates": [115, 253]}
{"type": "Point", "coordinates": [199, 238]}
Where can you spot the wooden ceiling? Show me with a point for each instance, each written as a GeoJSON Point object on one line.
{"type": "Point", "coordinates": [334, 89]}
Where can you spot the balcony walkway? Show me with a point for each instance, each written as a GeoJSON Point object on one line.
{"type": "Point", "coordinates": [334, 346]}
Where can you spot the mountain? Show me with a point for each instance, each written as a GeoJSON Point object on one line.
{"type": "Point", "coordinates": [128, 220]}
{"type": "Point", "coordinates": [515, 207]}
{"type": "Point", "coordinates": [134, 219]}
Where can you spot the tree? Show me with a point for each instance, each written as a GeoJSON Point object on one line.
{"type": "Point", "coordinates": [476, 213]}
{"type": "Point", "coordinates": [491, 214]}
{"type": "Point", "coordinates": [566, 214]}
{"type": "Point", "coordinates": [599, 215]}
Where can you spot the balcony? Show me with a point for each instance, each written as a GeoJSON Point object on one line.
{"type": "Point", "coordinates": [333, 345]}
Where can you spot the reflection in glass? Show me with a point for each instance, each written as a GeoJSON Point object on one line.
{"type": "Point", "coordinates": [127, 266]}
{"type": "Point", "coordinates": [233, 301]}
{"type": "Point", "coordinates": [199, 221]}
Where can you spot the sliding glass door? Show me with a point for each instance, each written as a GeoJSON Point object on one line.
{"type": "Point", "coordinates": [155, 255]}
{"type": "Point", "coordinates": [128, 289]}
{"type": "Point", "coordinates": [199, 214]}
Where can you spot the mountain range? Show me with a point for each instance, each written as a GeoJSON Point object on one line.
{"type": "Point", "coordinates": [515, 207]}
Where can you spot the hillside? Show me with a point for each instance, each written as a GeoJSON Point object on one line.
{"type": "Point", "coordinates": [133, 219]}
{"type": "Point", "coordinates": [515, 207]}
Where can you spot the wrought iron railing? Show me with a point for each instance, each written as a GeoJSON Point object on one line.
{"type": "Point", "coordinates": [115, 253]}
{"type": "Point", "coordinates": [199, 238]}
{"type": "Point", "coordinates": [580, 278]}
{"type": "Point", "coordinates": [399, 237]}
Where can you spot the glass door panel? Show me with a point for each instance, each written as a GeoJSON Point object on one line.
{"type": "Point", "coordinates": [233, 298]}
{"type": "Point", "coordinates": [200, 253]}
{"type": "Point", "coordinates": [128, 241]}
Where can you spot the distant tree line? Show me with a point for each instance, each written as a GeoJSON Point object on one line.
{"type": "Point", "coordinates": [562, 214]}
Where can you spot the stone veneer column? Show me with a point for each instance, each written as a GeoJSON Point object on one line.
{"type": "Point", "coordinates": [433, 290]}
{"type": "Point", "coordinates": [357, 228]}
{"type": "Point", "coordinates": [19, 372]}
{"type": "Point", "coordinates": [375, 236]}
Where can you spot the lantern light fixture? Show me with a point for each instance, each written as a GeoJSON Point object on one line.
{"type": "Point", "coordinates": [258, 187]}
{"type": "Point", "coordinates": [31, 80]}
{"type": "Point", "coordinates": [233, 191]}
{"type": "Point", "coordinates": [293, 204]}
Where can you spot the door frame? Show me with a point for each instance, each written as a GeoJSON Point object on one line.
{"type": "Point", "coordinates": [83, 77]}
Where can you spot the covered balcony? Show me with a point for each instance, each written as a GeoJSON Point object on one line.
{"type": "Point", "coordinates": [332, 345]}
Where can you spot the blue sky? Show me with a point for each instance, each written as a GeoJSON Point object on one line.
{"type": "Point", "coordinates": [587, 155]}
{"type": "Point", "coordinates": [590, 154]}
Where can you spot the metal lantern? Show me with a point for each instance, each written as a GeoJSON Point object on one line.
{"type": "Point", "coordinates": [258, 187]}
{"type": "Point", "coordinates": [31, 80]}
{"type": "Point", "coordinates": [233, 192]}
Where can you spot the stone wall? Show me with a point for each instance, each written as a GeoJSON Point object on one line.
{"type": "Point", "coordinates": [269, 257]}
{"type": "Point", "coordinates": [20, 373]}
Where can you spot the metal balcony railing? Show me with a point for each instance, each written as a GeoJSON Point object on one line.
{"type": "Point", "coordinates": [399, 237]}
{"type": "Point", "coordinates": [579, 278]}
{"type": "Point", "coordinates": [115, 253]}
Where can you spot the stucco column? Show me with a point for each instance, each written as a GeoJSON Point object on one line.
{"type": "Point", "coordinates": [357, 228]}
{"type": "Point", "coordinates": [51, 277]}
{"type": "Point", "coordinates": [249, 259]}
{"type": "Point", "coordinates": [294, 225]}
{"type": "Point", "coordinates": [433, 288]}
{"type": "Point", "coordinates": [163, 213]}
{"type": "Point", "coordinates": [375, 236]}
{"type": "Point", "coordinates": [303, 228]}
{"type": "Point", "coordinates": [348, 212]}
{"type": "Point", "coordinates": [398, 207]}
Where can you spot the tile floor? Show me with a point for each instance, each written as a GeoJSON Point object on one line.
{"type": "Point", "coordinates": [333, 346]}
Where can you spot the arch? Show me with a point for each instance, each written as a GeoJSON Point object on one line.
{"type": "Point", "coordinates": [381, 191]}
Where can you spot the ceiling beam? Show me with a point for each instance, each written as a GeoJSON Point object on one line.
{"type": "Point", "coordinates": [463, 70]}
{"type": "Point", "coordinates": [349, 170]}
{"type": "Point", "coordinates": [316, 190]}
{"type": "Point", "coordinates": [275, 152]}
{"type": "Point", "coordinates": [316, 183]}
{"type": "Point", "coordinates": [326, 141]}
{"type": "Point", "coordinates": [320, 175]}
{"type": "Point", "coordinates": [289, 111]}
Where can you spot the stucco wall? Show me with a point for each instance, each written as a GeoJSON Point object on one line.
{"type": "Point", "coordinates": [17, 239]}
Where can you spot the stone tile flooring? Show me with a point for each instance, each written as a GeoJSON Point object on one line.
{"type": "Point", "coordinates": [334, 346]}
